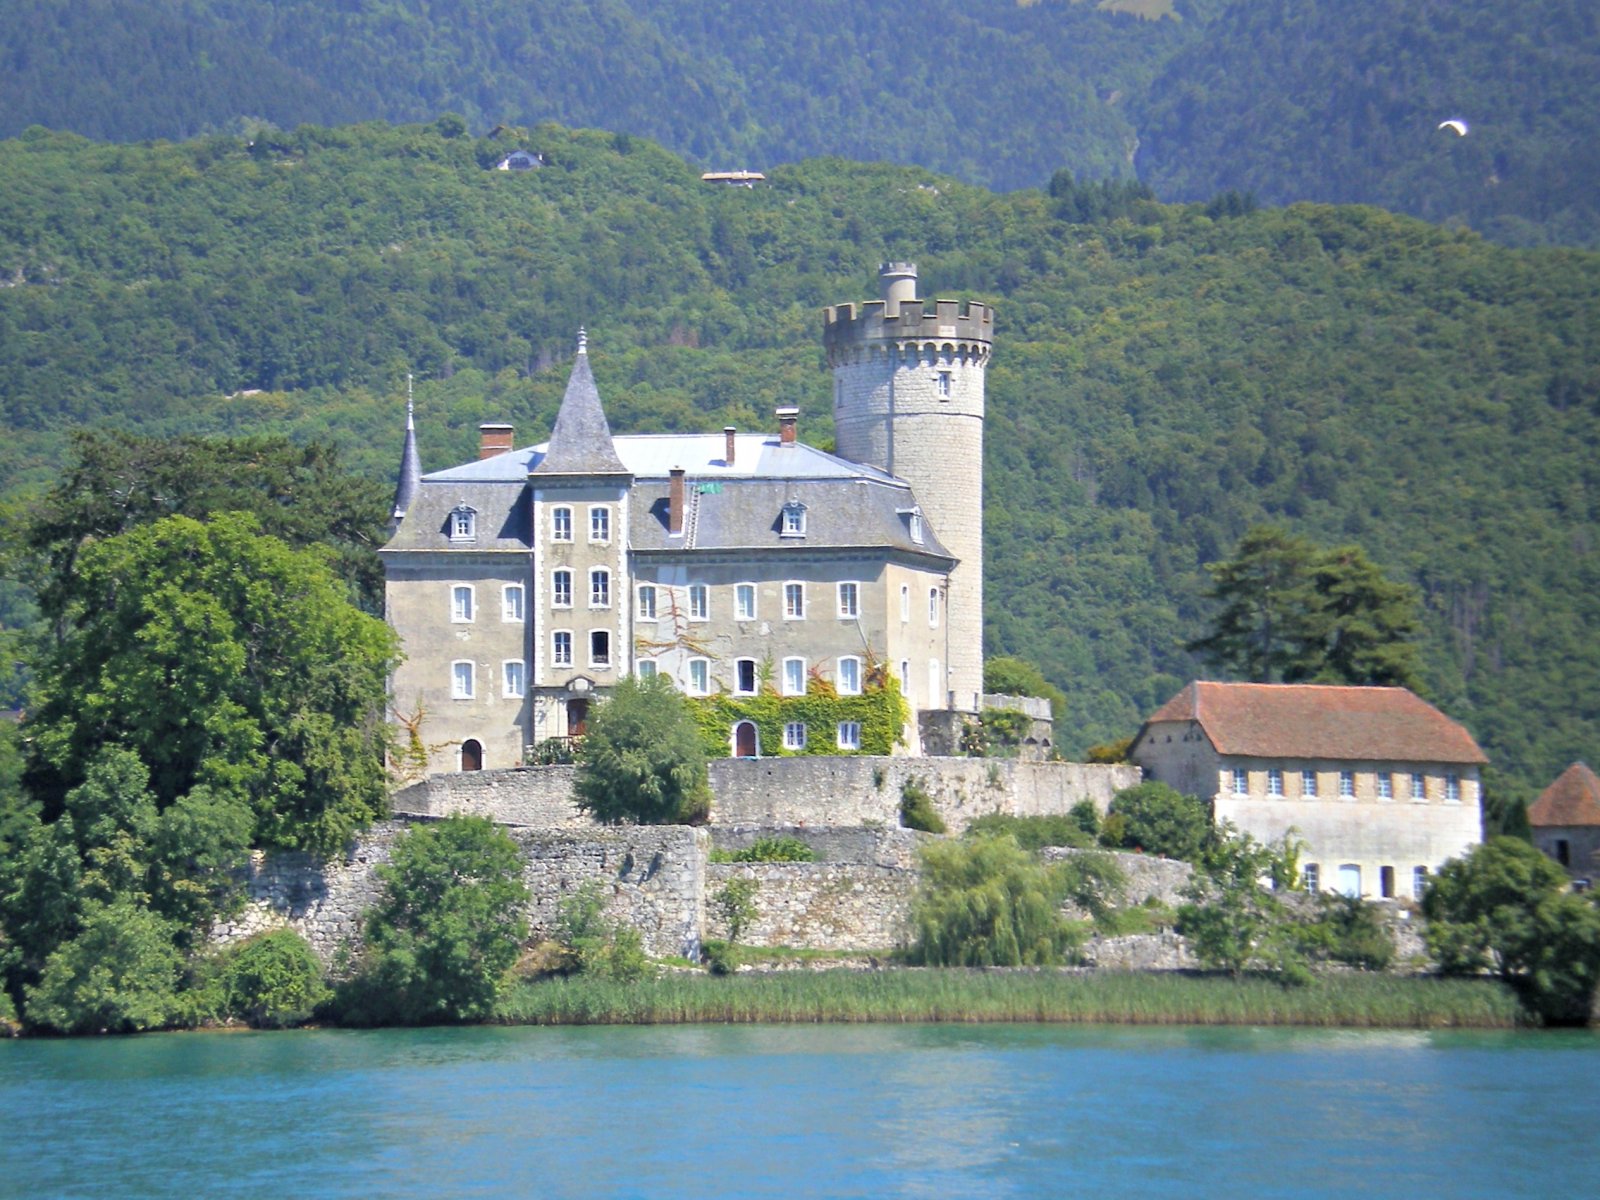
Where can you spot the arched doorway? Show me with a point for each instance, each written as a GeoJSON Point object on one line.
{"type": "Point", "coordinates": [577, 718]}
{"type": "Point", "coordinates": [471, 755]}
{"type": "Point", "coordinates": [746, 740]}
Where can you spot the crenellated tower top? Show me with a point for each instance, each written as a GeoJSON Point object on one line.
{"type": "Point", "coordinates": [960, 328]}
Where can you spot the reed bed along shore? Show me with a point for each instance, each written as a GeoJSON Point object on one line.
{"type": "Point", "coordinates": [963, 996]}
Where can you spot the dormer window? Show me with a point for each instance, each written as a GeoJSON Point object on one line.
{"type": "Point", "coordinates": [913, 518]}
{"type": "Point", "coordinates": [794, 519]}
{"type": "Point", "coordinates": [463, 523]}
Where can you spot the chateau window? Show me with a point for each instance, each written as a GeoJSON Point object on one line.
{"type": "Point", "coordinates": [1419, 882]}
{"type": "Point", "coordinates": [699, 677]}
{"type": "Point", "coordinates": [849, 677]}
{"type": "Point", "coordinates": [942, 384]}
{"type": "Point", "coordinates": [1452, 786]}
{"type": "Point", "coordinates": [561, 648]}
{"type": "Point", "coordinates": [463, 524]}
{"type": "Point", "coordinates": [905, 602]}
{"type": "Point", "coordinates": [512, 602]}
{"type": "Point", "coordinates": [1241, 782]}
{"type": "Point", "coordinates": [1308, 783]}
{"type": "Point", "coordinates": [849, 600]}
{"type": "Point", "coordinates": [699, 602]}
{"type": "Point", "coordinates": [461, 675]}
{"type": "Point", "coordinates": [916, 527]}
{"type": "Point", "coordinates": [560, 524]}
{"type": "Point", "coordinates": [1419, 786]}
{"type": "Point", "coordinates": [461, 603]}
{"type": "Point", "coordinates": [646, 668]}
{"type": "Point", "coordinates": [515, 673]}
{"type": "Point", "coordinates": [647, 602]}
{"type": "Point", "coordinates": [744, 677]}
{"type": "Point", "coordinates": [793, 521]}
{"type": "Point", "coordinates": [1385, 785]}
{"type": "Point", "coordinates": [794, 677]}
{"type": "Point", "coordinates": [1311, 876]}
{"type": "Point", "coordinates": [599, 588]}
{"type": "Point", "coordinates": [849, 735]}
{"type": "Point", "coordinates": [599, 523]}
{"type": "Point", "coordinates": [1274, 781]}
{"type": "Point", "coordinates": [933, 608]}
{"type": "Point", "coordinates": [561, 589]}
{"type": "Point", "coordinates": [905, 676]}
{"type": "Point", "coordinates": [599, 648]}
{"type": "Point", "coordinates": [1386, 882]}
{"type": "Point", "coordinates": [794, 602]}
{"type": "Point", "coordinates": [744, 602]}
{"type": "Point", "coordinates": [794, 735]}
{"type": "Point", "coordinates": [1347, 784]}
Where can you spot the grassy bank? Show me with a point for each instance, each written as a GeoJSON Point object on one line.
{"type": "Point", "coordinates": [1355, 1000]}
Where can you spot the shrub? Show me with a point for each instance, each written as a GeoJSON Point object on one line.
{"type": "Point", "coordinates": [735, 903]}
{"type": "Point", "coordinates": [783, 848]}
{"type": "Point", "coordinates": [1159, 820]}
{"type": "Point", "coordinates": [1032, 833]}
{"type": "Point", "coordinates": [598, 945]}
{"type": "Point", "coordinates": [916, 808]}
{"type": "Point", "coordinates": [1231, 920]}
{"type": "Point", "coordinates": [642, 759]}
{"type": "Point", "coordinates": [272, 980]}
{"type": "Point", "coordinates": [722, 958]}
{"type": "Point", "coordinates": [119, 975]}
{"type": "Point", "coordinates": [1348, 930]}
{"type": "Point", "coordinates": [986, 902]}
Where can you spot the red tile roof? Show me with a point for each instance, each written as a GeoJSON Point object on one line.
{"type": "Point", "coordinates": [1304, 720]}
{"type": "Point", "coordinates": [1573, 799]}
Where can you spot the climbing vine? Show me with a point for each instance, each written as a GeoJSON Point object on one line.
{"type": "Point", "coordinates": [879, 710]}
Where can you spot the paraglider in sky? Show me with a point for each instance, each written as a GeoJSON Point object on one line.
{"type": "Point", "coordinates": [1456, 123]}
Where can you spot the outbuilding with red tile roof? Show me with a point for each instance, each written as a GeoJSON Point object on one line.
{"type": "Point", "coordinates": [1565, 820]}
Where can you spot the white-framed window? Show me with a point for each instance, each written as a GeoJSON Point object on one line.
{"type": "Point", "coordinates": [933, 608]}
{"type": "Point", "coordinates": [599, 648]}
{"type": "Point", "coordinates": [513, 602]}
{"type": "Point", "coordinates": [561, 524]}
{"type": "Point", "coordinates": [1274, 781]}
{"type": "Point", "coordinates": [1308, 783]}
{"type": "Point", "coordinates": [561, 648]}
{"type": "Point", "coordinates": [905, 602]}
{"type": "Point", "coordinates": [794, 735]}
{"type": "Point", "coordinates": [515, 673]}
{"type": "Point", "coordinates": [463, 524]}
{"type": "Point", "coordinates": [1419, 881]}
{"type": "Point", "coordinates": [905, 676]}
{"type": "Point", "coordinates": [849, 601]}
{"type": "Point", "coordinates": [599, 588]}
{"type": "Point", "coordinates": [561, 589]}
{"type": "Point", "coordinates": [1312, 876]}
{"type": "Point", "coordinates": [461, 603]}
{"type": "Point", "coordinates": [1347, 785]}
{"type": "Point", "coordinates": [849, 677]}
{"type": "Point", "coordinates": [794, 602]}
{"type": "Point", "coordinates": [941, 384]}
{"type": "Point", "coordinates": [793, 521]}
{"type": "Point", "coordinates": [462, 673]}
{"type": "Point", "coordinates": [745, 676]}
{"type": "Point", "coordinates": [1419, 786]}
{"type": "Point", "coordinates": [1241, 782]}
{"type": "Point", "coordinates": [744, 601]}
{"type": "Point", "coordinates": [646, 668]}
{"type": "Point", "coordinates": [699, 602]}
{"type": "Point", "coordinates": [1385, 785]}
{"type": "Point", "coordinates": [1452, 786]}
{"type": "Point", "coordinates": [647, 602]}
{"type": "Point", "coordinates": [916, 527]}
{"type": "Point", "coordinates": [599, 523]}
{"type": "Point", "coordinates": [794, 677]}
{"type": "Point", "coordinates": [699, 678]}
{"type": "Point", "coordinates": [849, 735]}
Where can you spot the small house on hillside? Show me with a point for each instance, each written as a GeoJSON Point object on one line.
{"type": "Point", "coordinates": [1565, 820]}
{"type": "Point", "coordinates": [1379, 785]}
{"type": "Point", "coordinates": [520, 160]}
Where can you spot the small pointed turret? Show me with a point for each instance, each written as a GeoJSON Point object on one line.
{"type": "Point", "coordinates": [410, 467]}
{"type": "Point", "coordinates": [580, 443]}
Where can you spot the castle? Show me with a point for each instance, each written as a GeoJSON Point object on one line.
{"type": "Point", "coordinates": [523, 585]}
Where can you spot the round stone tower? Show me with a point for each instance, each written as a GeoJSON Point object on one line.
{"type": "Point", "coordinates": [908, 398]}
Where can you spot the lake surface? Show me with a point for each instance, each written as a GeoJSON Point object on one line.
{"type": "Point", "coordinates": [879, 1110]}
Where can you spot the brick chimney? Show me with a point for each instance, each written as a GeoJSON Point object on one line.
{"type": "Point", "coordinates": [727, 444]}
{"type": "Point", "coordinates": [494, 438]}
{"type": "Point", "coordinates": [788, 420]}
{"type": "Point", "coordinates": [675, 503]}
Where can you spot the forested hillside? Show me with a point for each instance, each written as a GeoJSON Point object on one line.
{"type": "Point", "coordinates": [1289, 99]}
{"type": "Point", "coordinates": [1164, 377]}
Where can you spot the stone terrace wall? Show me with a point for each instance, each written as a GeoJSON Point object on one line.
{"type": "Point", "coordinates": [1147, 876]}
{"type": "Point", "coordinates": [654, 878]}
{"type": "Point", "coordinates": [818, 906]}
{"type": "Point", "coordinates": [539, 797]}
{"type": "Point", "coordinates": [875, 847]}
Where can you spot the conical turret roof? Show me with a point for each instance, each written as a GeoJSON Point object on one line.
{"type": "Point", "coordinates": [410, 479]}
{"type": "Point", "coordinates": [580, 443]}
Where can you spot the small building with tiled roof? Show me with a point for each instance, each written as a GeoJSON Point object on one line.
{"type": "Point", "coordinates": [1565, 821]}
{"type": "Point", "coordinates": [1379, 785]}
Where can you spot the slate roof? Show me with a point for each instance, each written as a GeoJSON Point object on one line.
{"type": "Point", "coordinates": [410, 470]}
{"type": "Point", "coordinates": [580, 443]}
{"type": "Point", "coordinates": [1573, 799]}
{"type": "Point", "coordinates": [503, 516]}
{"type": "Point", "coordinates": [1300, 720]}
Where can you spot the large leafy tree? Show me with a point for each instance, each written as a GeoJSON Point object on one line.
{"type": "Point", "coordinates": [224, 660]}
{"type": "Point", "coordinates": [1295, 613]}
{"type": "Point", "coordinates": [642, 759]}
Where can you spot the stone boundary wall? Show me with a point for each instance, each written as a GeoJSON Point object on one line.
{"type": "Point", "coordinates": [861, 845]}
{"type": "Point", "coordinates": [818, 906]}
{"type": "Point", "coordinates": [1147, 875]}
{"type": "Point", "coordinates": [538, 797]}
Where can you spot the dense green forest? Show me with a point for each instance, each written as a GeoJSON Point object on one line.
{"type": "Point", "coordinates": [1165, 376]}
{"type": "Point", "coordinates": [1289, 99]}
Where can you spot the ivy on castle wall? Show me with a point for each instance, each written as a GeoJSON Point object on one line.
{"type": "Point", "coordinates": [880, 710]}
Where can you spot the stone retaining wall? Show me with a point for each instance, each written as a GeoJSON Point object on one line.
{"type": "Point", "coordinates": [877, 847]}
{"type": "Point", "coordinates": [1148, 877]}
{"type": "Point", "coordinates": [818, 906]}
{"type": "Point", "coordinates": [538, 797]}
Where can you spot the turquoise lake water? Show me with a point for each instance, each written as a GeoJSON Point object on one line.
{"type": "Point", "coordinates": [804, 1111]}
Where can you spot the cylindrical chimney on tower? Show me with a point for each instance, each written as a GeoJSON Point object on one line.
{"type": "Point", "coordinates": [899, 283]}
